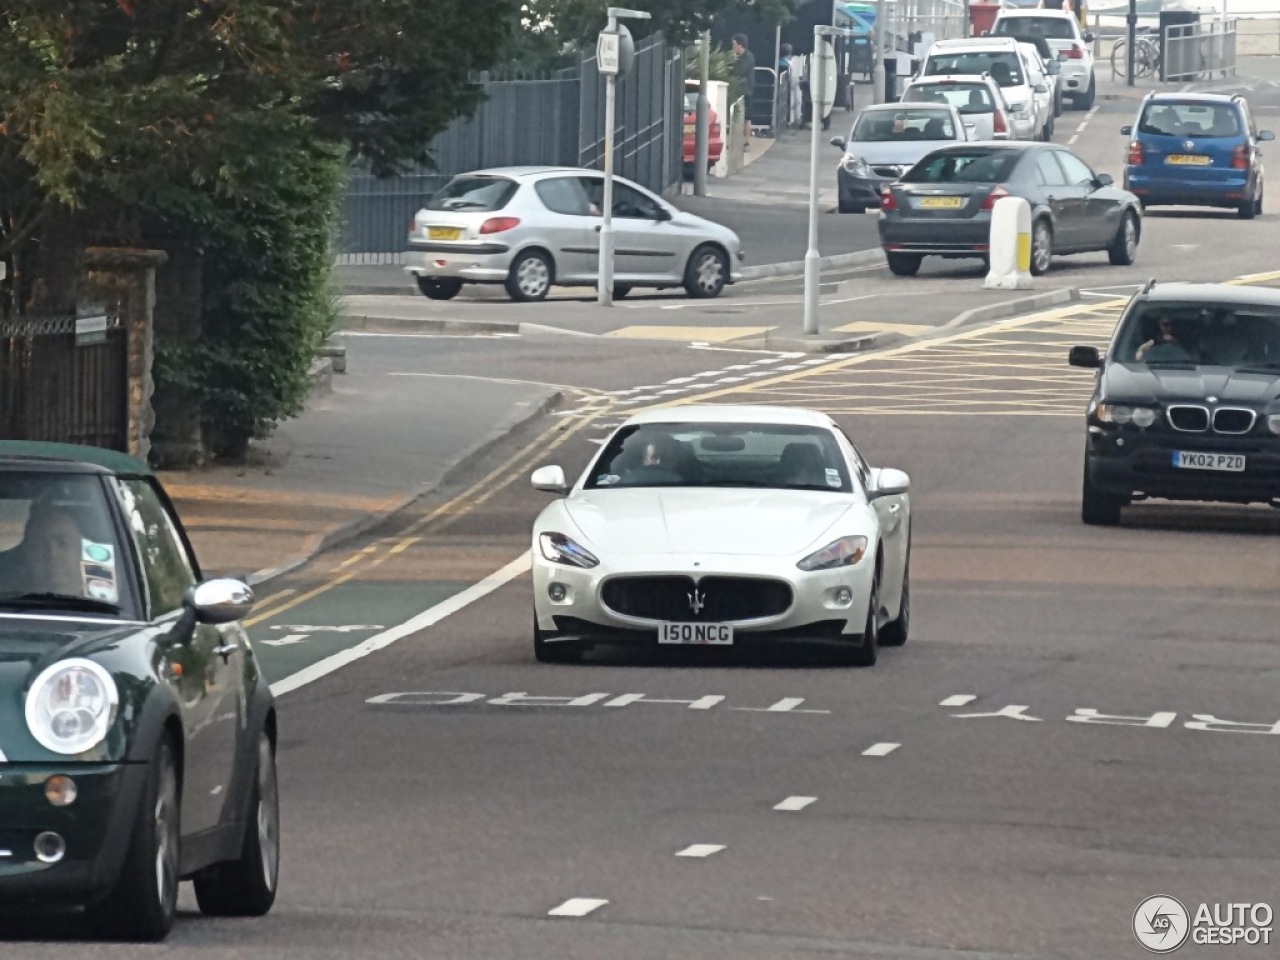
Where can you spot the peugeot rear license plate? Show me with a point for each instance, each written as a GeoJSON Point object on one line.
{"type": "Point", "coordinates": [718, 634]}
{"type": "Point", "coordinates": [443, 233]}
{"type": "Point", "coordinates": [1190, 460]}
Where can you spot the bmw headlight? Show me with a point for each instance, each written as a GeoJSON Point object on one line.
{"type": "Point", "coordinates": [844, 552]}
{"type": "Point", "coordinates": [71, 706]}
{"type": "Point", "coordinates": [558, 548]}
{"type": "Point", "coordinates": [855, 166]}
{"type": "Point", "coordinates": [1273, 422]}
{"type": "Point", "coordinates": [1120, 414]}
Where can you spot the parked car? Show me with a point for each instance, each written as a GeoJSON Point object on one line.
{"type": "Point", "coordinates": [773, 530]}
{"type": "Point", "coordinates": [137, 732]}
{"type": "Point", "coordinates": [715, 138]}
{"type": "Point", "coordinates": [1043, 89]}
{"type": "Point", "coordinates": [977, 98]}
{"type": "Point", "coordinates": [1050, 64]}
{"type": "Point", "coordinates": [887, 140]}
{"type": "Point", "coordinates": [1187, 401]}
{"type": "Point", "coordinates": [1196, 149]}
{"type": "Point", "coordinates": [1062, 30]}
{"type": "Point", "coordinates": [532, 228]}
{"type": "Point", "coordinates": [942, 206]}
{"type": "Point", "coordinates": [1005, 61]}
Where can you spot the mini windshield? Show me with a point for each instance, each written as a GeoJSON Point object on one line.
{"type": "Point", "coordinates": [877, 126]}
{"type": "Point", "coordinates": [1197, 334]}
{"type": "Point", "coordinates": [968, 98]}
{"type": "Point", "coordinates": [1191, 120]}
{"type": "Point", "coordinates": [58, 546]}
{"type": "Point", "coordinates": [474, 193]}
{"type": "Point", "coordinates": [776, 456]}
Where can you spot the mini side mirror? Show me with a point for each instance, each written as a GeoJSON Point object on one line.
{"type": "Point", "coordinates": [220, 601]}
{"type": "Point", "coordinates": [888, 482]}
{"type": "Point", "coordinates": [550, 480]}
{"type": "Point", "coordinates": [1087, 357]}
{"type": "Point", "coordinates": [1266, 135]}
{"type": "Point", "coordinates": [838, 142]}
{"type": "Point", "coordinates": [1127, 130]}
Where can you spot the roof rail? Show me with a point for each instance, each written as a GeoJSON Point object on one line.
{"type": "Point", "coordinates": [1146, 288]}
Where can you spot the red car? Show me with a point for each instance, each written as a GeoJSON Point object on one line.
{"type": "Point", "coordinates": [715, 142]}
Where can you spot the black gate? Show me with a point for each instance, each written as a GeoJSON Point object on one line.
{"type": "Point", "coordinates": [53, 388]}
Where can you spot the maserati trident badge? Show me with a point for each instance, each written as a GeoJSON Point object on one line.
{"type": "Point", "coordinates": [697, 600]}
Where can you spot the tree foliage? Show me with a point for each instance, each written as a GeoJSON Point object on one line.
{"type": "Point", "coordinates": [679, 20]}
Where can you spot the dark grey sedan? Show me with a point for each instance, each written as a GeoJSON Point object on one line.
{"type": "Point", "coordinates": [942, 206]}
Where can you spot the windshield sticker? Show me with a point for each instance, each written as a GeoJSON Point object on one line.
{"type": "Point", "coordinates": [100, 582]}
{"type": "Point", "coordinates": [833, 477]}
{"type": "Point", "coordinates": [607, 479]}
{"type": "Point", "coordinates": [91, 552]}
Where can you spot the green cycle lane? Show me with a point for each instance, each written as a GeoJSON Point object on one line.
{"type": "Point", "coordinates": [340, 618]}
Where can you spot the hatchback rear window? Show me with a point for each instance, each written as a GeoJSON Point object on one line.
{"type": "Point", "coordinates": [1191, 120]}
{"type": "Point", "coordinates": [474, 193]}
{"type": "Point", "coordinates": [1004, 67]}
{"type": "Point", "coordinates": [923, 123]}
{"type": "Point", "coordinates": [964, 166]}
{"type": "Point", "coordinates": [968, 98]}
{"type": "Point", "coordinates": [1051, 28]}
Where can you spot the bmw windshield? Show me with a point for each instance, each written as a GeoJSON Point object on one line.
{"type": "Point", "coordinates": [1240, 336]}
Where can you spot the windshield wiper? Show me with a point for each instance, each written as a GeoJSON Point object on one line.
{"type": "Point", "coordinates": [1171, 364]}
{"type": "Point", "coordinates": [57, 601]}
{"type": "Point", "coordinates": [808, 486]}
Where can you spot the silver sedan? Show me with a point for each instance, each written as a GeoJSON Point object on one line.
{"type": "Point", "coordinates": [532, 228]}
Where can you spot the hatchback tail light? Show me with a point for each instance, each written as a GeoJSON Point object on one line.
{"type": "Point", "coordinates": [887, 201]}
{"type": "Point", "coordinates": [998, 124]}
{"type": "Point", "coordinates": [1076, 52]}
{"type": "Point", "coordinates": [1136, 155]}
{"type": "Point", "coordinates": [996, 193]}
{"type": "Point", "coordinates": [413, 224]}
{"type": "Point", "coordinates": [498, 225]}
{"type": "Point", "coordinates": [1240, 158]}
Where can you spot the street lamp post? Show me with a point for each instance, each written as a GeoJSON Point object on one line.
{"type": "Point", "coordinates": [822, 76]}
{"type": "Point", "coordinates": [614, 55]}
{"type": "Point", "coordinates": [702, 136]}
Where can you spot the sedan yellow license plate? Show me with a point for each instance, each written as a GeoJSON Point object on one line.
{"type": "Point", "coordinates": [1185, 160]}
{"type": "Point", "coordinates": [444, 233]}
{"type": "Point", "coordinates": [942, 203]}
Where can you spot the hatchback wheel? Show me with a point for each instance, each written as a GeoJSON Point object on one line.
{"type": "Point", "coordinates": [1041, 247]}
{"type": "Point", "coordinates": [531, 276]}
{"type": "Point", "coordinates": [904, 264]}
{"type": "Point", "coordinates": [1124, 248]}
{"type": "Point", "coordinates": [1251, 207]}
{"type": "Point", "coordinates": [706, 273]}
{"type": "Point", "coordinates": [439, 288]}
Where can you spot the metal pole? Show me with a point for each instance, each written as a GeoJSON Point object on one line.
{"type": "Point", "coordinates": [812, 259]}
{"type": "Point", "coordinates": [1131, 43]}
{"type": "Point", "coordinates": [605, 271]}
{"type": "Point", "coordinates": [777, 73]}
{"type": "Point", "coordinates": [702, 139]}
{"type": "Point", "coordinates": [877, 73]}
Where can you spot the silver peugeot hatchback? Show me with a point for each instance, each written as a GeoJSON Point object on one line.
{"type": "Point", "coordinates": [532, 228]}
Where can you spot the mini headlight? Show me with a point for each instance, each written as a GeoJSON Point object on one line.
{"type": "Point", "coordinates": [1273, 422]}
{"type": "Point", "coordinates": [71, 706]}
{"type": "Point", "coordinates": [558, 548]}
{"type": "Point", "coordinates": [844, 552]}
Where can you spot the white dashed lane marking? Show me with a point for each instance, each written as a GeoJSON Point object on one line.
{"type": "Point", "coordinates": [577, 907]}
{"type": "Point", "coordinates": [959, 700]}
{"type": "Point", "coordinates": [700, 850]}
{"type": "Point", "coordinates": [795, 803]}
{"type": "Point", "coordinates": [880, 749]}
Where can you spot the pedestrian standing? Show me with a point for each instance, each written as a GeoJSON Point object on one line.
{"type": "Point", "coordinates": [745, 69]}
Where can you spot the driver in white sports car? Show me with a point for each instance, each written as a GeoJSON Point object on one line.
{"type": "Point", "coordinates": [723, 525]}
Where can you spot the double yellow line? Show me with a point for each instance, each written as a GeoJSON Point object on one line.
{"type": "Point", "coordinates": [490, 485]}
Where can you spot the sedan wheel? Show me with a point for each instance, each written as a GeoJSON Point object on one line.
{"type": "Point", "coordinates": [706, 273]}
{"type": "Point", "coordinates": [1124, 248]}
{"type": "Point", "coordinates": [895, 634]}
{"type": "Point", "coordinates": [246, 886]}
{"type": "Point", "coordinates": [530, 277]}
{"type": "Point", "coordinates": [1041, 247]}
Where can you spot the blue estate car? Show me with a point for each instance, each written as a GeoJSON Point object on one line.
{"type": "Point", "coordinates": [1196, 149]}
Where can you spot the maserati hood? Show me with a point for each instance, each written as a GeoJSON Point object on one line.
{"type": "Point", "coordinates": [1138, 382]}
{"type": "Point", "coordinates": [721, 521]}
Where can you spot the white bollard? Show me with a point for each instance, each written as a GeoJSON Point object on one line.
{"type": "Point", "coordinates": [1010, 247]}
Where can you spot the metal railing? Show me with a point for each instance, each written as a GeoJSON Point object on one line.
{"type": "Point", "coordinates": [1199, 51]}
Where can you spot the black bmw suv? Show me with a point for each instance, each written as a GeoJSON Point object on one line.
{"type": "Point", "coordinates": [1187, 401]}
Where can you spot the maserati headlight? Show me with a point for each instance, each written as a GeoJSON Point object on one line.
{"type": "Point", "coordinates": [1121, 414]}
{"type": "Point", "coordinates": [855, 165]}
{"type": "Point", "coordinates": [71, 706]}
{"type": "Point", "coordinates": [844, 552]}
{"type": "Point", "coordinates": [558, 548]}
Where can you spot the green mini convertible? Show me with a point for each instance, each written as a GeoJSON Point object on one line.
{"type": "Point", "coordinates": [137, 733]}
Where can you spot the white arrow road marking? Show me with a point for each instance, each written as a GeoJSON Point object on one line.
{"type": "Point", "coordinates": [577, 907]}
{"type": "Point", "coordinates": [286, 641]}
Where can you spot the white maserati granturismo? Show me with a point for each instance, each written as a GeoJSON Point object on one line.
{"type": "Point", "coordinates": [724, 525]}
